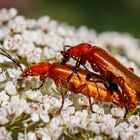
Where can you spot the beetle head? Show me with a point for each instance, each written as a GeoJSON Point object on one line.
{"type": "Point", "coordinates": [66, 54]}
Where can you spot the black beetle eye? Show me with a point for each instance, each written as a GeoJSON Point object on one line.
{"type": "Point", "coordinates": [26, 73]}
{"type": "Point", "coordinates": [66, 55]}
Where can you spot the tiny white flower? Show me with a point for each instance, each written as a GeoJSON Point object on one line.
{"type": "Point", "coordinates": [48, 53]}
{"type": "Point", "coordinates": [44, 116]}
{"type": "Point", "coordinates": [46, 137]}
{"type": "Point", "coordinates": [34, 56]}
{"type": "Point", "coordinates": [12, 12]}
{"type": "Point", "coordinates": [91, 139]}
{"type": "Point", "coordinates": [122, 127]}
{"type": "Point", "coordinates": [85, 35]}
{"type": "Point", "coordinates": [14, 73]}
{"type": "Point", "coordinates": [107, 119]}
{"type": "Point", "coordinates": [2, 75]}
{"type": "Point", "coordinates": [31, 136]}
{"type": "Point", "coordinates": [21, 136]}
{"type": "Point", "coordinates": [4, 17]}
{"type": "Point", "coordinates": [33, 95]}
{"type": "Point", "coordinates": [35, 117]}
{"type": "Point", "coordinates": [57, 41]}
{"type": "Point", "coordinates": [99, 118]}
{"type": "Point", "coordinates": [73, 125]}
{"type": "Point", "coordinates": [3, 96]}
{"type": "Point", "coordinates": [13, 43]}
{"type": "Point", "coordinates": [43, 134]}
{"type": "Point", "coordinates": [10, 88]}
{"type": "Point", "coordinates": [69, 111]}
{"type": "Point", "coordinates": [53, 24]}
{"type": "Point", "coordinates": [17, 106]}
{"type": "Point", "coordinates": [3, 116]}
{"type": "Point", "coordinates": [26, 49]}
{"type": "Point", "coordinates": [134, 119]}
{"type": "Point", "coordinates": [43, 23]}
{"type": "Point", "coordinates": [64, 30]}
{"type": "Point", "coordinates": [94, 127]}
{"type": "Point", "coordinates": [58, 132]}
{"type": "Point", "coordinates": [108, 130]}
{"type": "Point", "coordinates": [97, 109]}
{"type": "Point", "coordinates": [4, 134]}
{"type": "Point", "coordinates": [18, 25]}
{"type": "Point", "coordinates": [67, 103]}
{"type": "Point", "coordinates": [28, 34]}
{"type": "Point", "coordinates": [2, 34]}
{"type": "Point", "coordinates": [31, 23]}
{"type": "Point", "coordinates": [46, 105]}
{"type": "Point", "coordinates": [116, 112]}
{"type": "Point", "coordinates": [56, 122]}
{"type": "Point", "coordinates": [53, 102]}
{"type": "Point", "coordinates": [39, 38]}
{"type": "Point", "coordinates": [98, 137]}
{"type": "Point", "coordinates": [114, 135]}
{"type": "Point", "coordinates": [2, 59]}
{"type": "Point", "coordinates": [93, 117]}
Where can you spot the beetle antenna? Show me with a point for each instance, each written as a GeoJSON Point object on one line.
{"type": "Point", "coordinates": [4, 53]}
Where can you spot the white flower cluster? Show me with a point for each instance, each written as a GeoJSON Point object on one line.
{"type": "Point", "coordinates": [31, 115]}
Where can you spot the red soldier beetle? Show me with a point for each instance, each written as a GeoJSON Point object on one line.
{"type": "Point", "coordinates": [81, 82]}
{"type": "Point", "coordinates": [108, 67]}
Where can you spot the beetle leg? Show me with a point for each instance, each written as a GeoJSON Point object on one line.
{"type": "Point", "coordinates": [82, 62]}
{"type": "Point", "coordinates": [82, 87]}
{"type": "Point", "coordinates": [42, 78]}
{"type": "Point", "coordinates": [74, 70]}
{"type": "Point", "coordinates": [39, 86]}
{"type": "Point", "coordinates": [88, 95]}
{"type": "Point", "coordinates": [103, 81]}
{"type": "Point", "coordinates": [90, 103]}
{"type": "Point", "coordinates": [120, 80]}
{"type": "Point", "coordinates": [59, 84]}
{"type": "Point", "coordinates": [117, 98]}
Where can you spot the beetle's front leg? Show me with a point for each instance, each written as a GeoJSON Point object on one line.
{"type": "Point", "coordinates": [42, 78]}
{"type": "Point", "coordinates": [75, 69]}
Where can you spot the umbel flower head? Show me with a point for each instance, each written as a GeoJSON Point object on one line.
{"type": "Point", "coordinates": [30, 115]}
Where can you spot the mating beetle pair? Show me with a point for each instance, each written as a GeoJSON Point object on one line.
{"type": "Point", "coordinates": [115, 83]}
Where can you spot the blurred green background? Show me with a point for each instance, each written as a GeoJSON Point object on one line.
{"type": "Point", "coordinates": [102, 15]}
